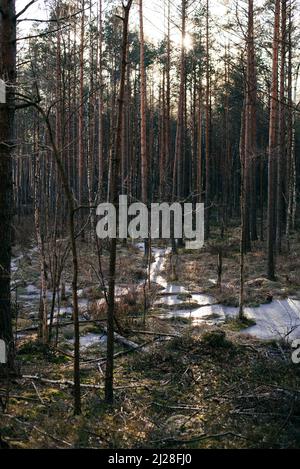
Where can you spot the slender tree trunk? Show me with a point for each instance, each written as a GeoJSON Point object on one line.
{"type": "Point", "coordinates": [40, 241]}
{"type": "Point", "coordinates": [199, 147]}
{"type": "Point", "coordinates": [100, 105]}
{"type": "Point", "coordinates": [168, 99]}
{"type": "Point", "coordinates": [91, 134]}
{"type": "Point", "coordinates": [243, 215]}
{"type": "Point", "coordinates": [178, 167]}
{"type": "Point", "coordinates": [273, 149]}
{"type": "Point", "coordinates": [249, 223]}
{"type": "Point", "coordinates": [290, 174]}
{"type": "Point", "coordinates": [207, 131]}
{"type": "Point", "coordinates": [81, 152]}
{"type": "Point", "coordinates": [281, 168]}
{"type": "Point", "coordinates": [115, 169]}
{"type": "Point", "coordinates": [179, 144]}
{"type": "Point", "coordinates": [143, 111]}
{"type": "Point", "coordinates": [253, 125]}
{"type": "Point", "coordinates": [7, 112]}
{"type": "Point", "coordinates": [71, 227]}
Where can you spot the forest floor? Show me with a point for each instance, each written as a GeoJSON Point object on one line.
{"type": "Point", "coordinates": [186, 386]}
{"type": "Point", "coordinates": [200, 390]}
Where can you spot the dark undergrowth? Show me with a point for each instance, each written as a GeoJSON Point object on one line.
{"type": "Point", "coordinates": [201, 390]}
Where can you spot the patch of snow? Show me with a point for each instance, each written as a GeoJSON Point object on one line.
{"type": "Point", "coordinates": [20, 336]}
{"type": "Point", "coordinates": [91, 339]}
{"type": "Point", "coordinates": [172, 299]}
{"type": "Point", "coordinates": [214, 313]}
{"type": "Point", "coordinates": [174, 289]}
{"type": "Point", "coordinates": [120, 291]}
{"type": "Point", "coordinates": [32, 290]}
{"type": "Point", "coordinates": [30, 299]}
{"type": "Point", "coordinates": [277, 320]}
{"type": "Point", "coordinates": [213, 281]}
{"type": "Point", "coordinates": [203, 299]}
{"type": "Point", "coordinates": [158, 265]}
{"type": "Point", "coordinates": [15, 263]}
{"type": "Point", "coordinates": [168, 300]}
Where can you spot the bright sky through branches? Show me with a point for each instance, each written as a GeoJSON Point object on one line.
{"type": "Point", "coordinates": [155, 26]}
{"type": "Point", "coordinates": [154, 23]}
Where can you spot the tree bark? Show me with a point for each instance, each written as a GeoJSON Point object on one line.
{"type": "Point", "coordinates": [207, 131]}
{"type": "Point", "coordinates": [273, 149]}
{"type": "Point", "coordinates": [115, 169]}
{"type": "Point", "coordinates": [143, 111]}
{"type": "Point", "coordinates": [7, 112]}
{"type": "Point", "coordinates": [249, 223]}
{"type": "Point", "coordinates": [281, 168]}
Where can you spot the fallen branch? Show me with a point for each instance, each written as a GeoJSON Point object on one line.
{"type": "Point", "coordinates": [119, 354]}
{"type": "Point", "coordinates": [62, 352]}
{"type": "Point", "coordinates": [59, 382]}
{"type": "Point", "coordinates": [122, 340]}
{"type": "Point", "coordinates": [262, 414]}
{"type": "Point", "coordinates": [37, 393]}
{"type": "Point", "coordinates": [60, 324]}
{"type": "Point", "coordinates": [158, 334]}
{"type": "Point", "coordinates": [202, 437]}
{"type": "Point", "coordinates": [33, 427]}
{"type": "Point", "coordinates": [68, 383]}
{"type": "Point", "coordinates": [178, 407]}
{"type": "Point", "coordinates": [21, 398]}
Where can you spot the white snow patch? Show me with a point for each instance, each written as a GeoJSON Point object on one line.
{"type": "Point", "coordinates": [90, 339]}
{"type": "Point", "coordinates": [277, 320]}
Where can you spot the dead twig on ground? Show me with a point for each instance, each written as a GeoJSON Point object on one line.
{"type": "Point", "coordinates": [199, 438]}
{"type": "Point", "coordinates": [178, 407]}
{"type": "Point", "coordinates": [68, 383]}
{"type": "Point", "coordinates": [160, 334]}
{"type": "Point", "coordinates": [38, 430]}
{"type": "Point", "coordinates": [37, 393]}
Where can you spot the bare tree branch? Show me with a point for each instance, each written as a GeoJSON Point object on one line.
{"type": "Point", "coordinates": [25, 8]}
